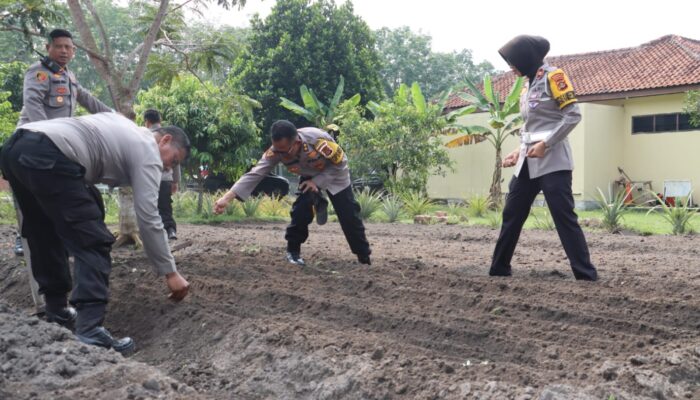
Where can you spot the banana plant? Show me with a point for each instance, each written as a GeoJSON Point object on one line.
{"type": "Point", "coordinates": [314, 110]}
{"type": "Point", "coordinates": [504, 121]}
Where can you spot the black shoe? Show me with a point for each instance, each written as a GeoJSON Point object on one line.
{"type": "Point", "coordinates": [99, 336]}
{"type": "Point", "coordinates": [64, 317]}
{"type": "Point", "coordinates": [321, 209]}
{"type": "Point", "coordinates": [172, 234]}
{"type": "Point", "coordinates": [19, 247]}
{"type": "Point", "coordinates": [494, 272]}
{"type": "Point", "coordinates": [295, 258]}
{"type": "Point", "coordinates": [364, 259]}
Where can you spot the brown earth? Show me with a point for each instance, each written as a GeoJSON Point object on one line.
{"type": "Point", "coordinates": [424, 321]}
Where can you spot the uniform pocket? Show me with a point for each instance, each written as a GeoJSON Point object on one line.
{"type": "Point", "coordinates": [42, 162]}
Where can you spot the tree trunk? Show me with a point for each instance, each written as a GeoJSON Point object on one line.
{"type": "Point", "coordinates": [495, 190]}
{"type": "Point", "coordinates": [128, 229]}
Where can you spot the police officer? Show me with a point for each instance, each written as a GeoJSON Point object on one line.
{"type": "Point", "coordinates": [168, 181]}
{"type": "Point", "coordinates": [543, 162]}
{"type": "Point", "coordinates": [322, 164]}
{"type": "Point", "coordinates": [51, 90]}
{"type": "Point", "coordinates": [52, 166]}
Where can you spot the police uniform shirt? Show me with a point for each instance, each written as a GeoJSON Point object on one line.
{"type": "Point", "coordinates": [550, 111]}
{"type": "Point", "coordinates": [320, 158]}
{"type": "Point", "coordinates": [115, 151]}
{"type": "Point", "coordinates": [49, 95]}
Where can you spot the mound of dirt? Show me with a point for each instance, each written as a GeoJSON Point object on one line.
{"type": "Point", "coordinates": [39, 360]}
{"type": "Point", "coordinates": [425, 321]}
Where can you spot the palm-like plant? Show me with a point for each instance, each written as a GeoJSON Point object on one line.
{"type": "Point", "coordinates": [314, 110]}
{"type": "Point", "coordinates": [505, 120]}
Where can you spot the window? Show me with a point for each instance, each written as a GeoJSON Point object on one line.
{"type": "Point", "coordinates": [658, 123]}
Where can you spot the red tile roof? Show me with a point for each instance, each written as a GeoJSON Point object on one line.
{"type": "Point", "coordinates": [667, 62]}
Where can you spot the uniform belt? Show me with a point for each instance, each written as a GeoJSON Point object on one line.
{"type": "Point", "coordinates": [533, 137]}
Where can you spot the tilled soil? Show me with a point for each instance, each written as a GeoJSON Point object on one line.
{"type": "Point", "coordinates": [424, 321]}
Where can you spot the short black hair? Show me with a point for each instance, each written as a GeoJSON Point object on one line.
{"type": "Point", "coordinates": [283, 129]}
{"type": "Point", "coordinates": [179, 137]}
{"type": "Point", "coordinates": [57, 33]}
{"type": "Point", "coordinates": [152, 115]}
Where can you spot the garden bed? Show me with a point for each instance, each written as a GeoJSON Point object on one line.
{"type": "Point", "coordinates": [424, 321]}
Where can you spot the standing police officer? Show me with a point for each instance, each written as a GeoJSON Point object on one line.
{"type": "Point", "coordinates": [322, 164]}
{"type": "Point", "coordinates": [543, 162]}
{"type": "Point", "coordinates": [51, 91]}
{"type": "Point", "coordinates": [168, 182]}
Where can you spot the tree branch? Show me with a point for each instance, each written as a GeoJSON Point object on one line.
{"type": "Point", "coordinates": [100, 27]}
{"type": "Point", "coordinates": [148, 46]}
{"type": "Point", "coordinates": [4, 27]}
{"type": "Point", "coordinates": [101, 63]}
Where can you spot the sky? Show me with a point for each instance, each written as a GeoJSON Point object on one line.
{"type": "Point", "coordinates": [484, 26]}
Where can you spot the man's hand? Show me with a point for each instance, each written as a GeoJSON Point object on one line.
{"type": "Point", "coordinates": [173, 188]}
{"type": "Point", "coordinates": [178, 286]}
{"type": "Point", "coordinates": [221, 204]}
{"type": "Point", "coordinates": [308, 186]}
{"type": "Point", "coordinates": [537, 150]}
{"type": "Point", "coordinates": [511, 159]}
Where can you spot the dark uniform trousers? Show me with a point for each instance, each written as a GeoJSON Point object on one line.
{"type": "Point", "coordinates": [346, 208]}
{"type": "Point", "coordinates": [556, 187]}
{"type": "Point", "coordinates": [165, 205]}
{"type": "Point", "coordinates": [62, 215]}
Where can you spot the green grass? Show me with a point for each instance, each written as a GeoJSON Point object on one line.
{"type": "Point", "coordinates": [636, 220]}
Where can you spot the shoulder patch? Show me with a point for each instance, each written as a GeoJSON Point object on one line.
{"type": "Point", "coordinates": [562, 90]}
{"type": "Point", "coordinates": [42, 76]}
{"type": "Point", "coordinates": [330, 150]}
{"type": "Point", "coordinates": [269, 154]}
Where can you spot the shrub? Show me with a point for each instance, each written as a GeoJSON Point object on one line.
{"type": "Point", "coordinates": [391, 205]}
{"type": "Point", "coordinates": [369, 202]}
{"type": "Point", "coordinates": [251, 206]}
{"type": "Point", "coordinates": [416, 203]}
{"type": "Point", "coordinates": [678, 216]}
{"type": "Point", "coordinates": [613, 210]}
{"type": "Point", "coordinates": [479, 206]}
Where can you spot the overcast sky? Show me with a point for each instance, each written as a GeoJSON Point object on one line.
{"type": "Point", "coordinates": [483, 26]}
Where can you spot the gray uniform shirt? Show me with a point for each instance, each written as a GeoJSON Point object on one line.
{"type": "Point", "coordinates": [550, 112]}
{"type": "Point", "coordinates": [320, 158]}
{"type": "Point", "coordinates": [116, 152]}
{"type": "Point", "coordinates": [48, 95]}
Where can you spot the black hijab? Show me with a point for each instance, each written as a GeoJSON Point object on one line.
{"type": "Point", "coordinates": [526, 53]}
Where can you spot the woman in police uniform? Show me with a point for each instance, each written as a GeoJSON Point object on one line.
{"type": "Point", "coordinates": [543, 161]}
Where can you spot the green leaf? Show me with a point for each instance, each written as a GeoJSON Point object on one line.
{"type": "Point", "coordinates": [418, 99]}
{"type": "Point", "coordinates": [374, 108]}
{"type": "Point", "coordinates": [512, 103]}
{"type": "Point", "coordinates": [338, 93]}
{"type": "Point", "coordinates": [296, 109]}
{"type": "Point", "coordinates": [309, 100]}
{"type": "Point", "coordinates": [402, 93]}
{"type": "Point", "coordinates": [461, 112]}
{"type": "Point", "coordinates": [476, 94]}
{"type": "Point", "coordinates": [490, 95]}
{"type": "Point", "coordinates": [355, 100]}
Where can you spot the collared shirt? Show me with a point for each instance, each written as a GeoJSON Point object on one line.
{"type": "Point", "coordinates": [49, 95]}
{"type": "Point", "coordinates": [320, 158]}
{"type": "Point", "coordinates": [549, 108]}
{"type": "Point", "coordinates": [116, 152]}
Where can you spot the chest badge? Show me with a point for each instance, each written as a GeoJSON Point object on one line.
{"type": "Point", "coordinates": [540, 73]}
{"type": "Point", "coordinates": [41, 76]}
{"type": "Point", "coordinates": [61, 90]}
{"type": "Point", "coordinates": [59, 99]}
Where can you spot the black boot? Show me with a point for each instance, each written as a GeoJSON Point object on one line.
{"type": "Point", "coordinates": [99, 336]}
{"type": "Point", "coordinates": [89, 329]}
{"type": "Point", "coordinates": [364, 259]}
{"type": "Point", "coordinates": [58, 311]}
{"type": "Point", "coordinates": [19, 247]}
{"type": "Point", "coordinates": [294, 257]}
{"type": "Point", "coordinates": [321, 209]}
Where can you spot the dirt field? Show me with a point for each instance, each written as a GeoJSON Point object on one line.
{"type": "Point", "coordinates": [424, 321]}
